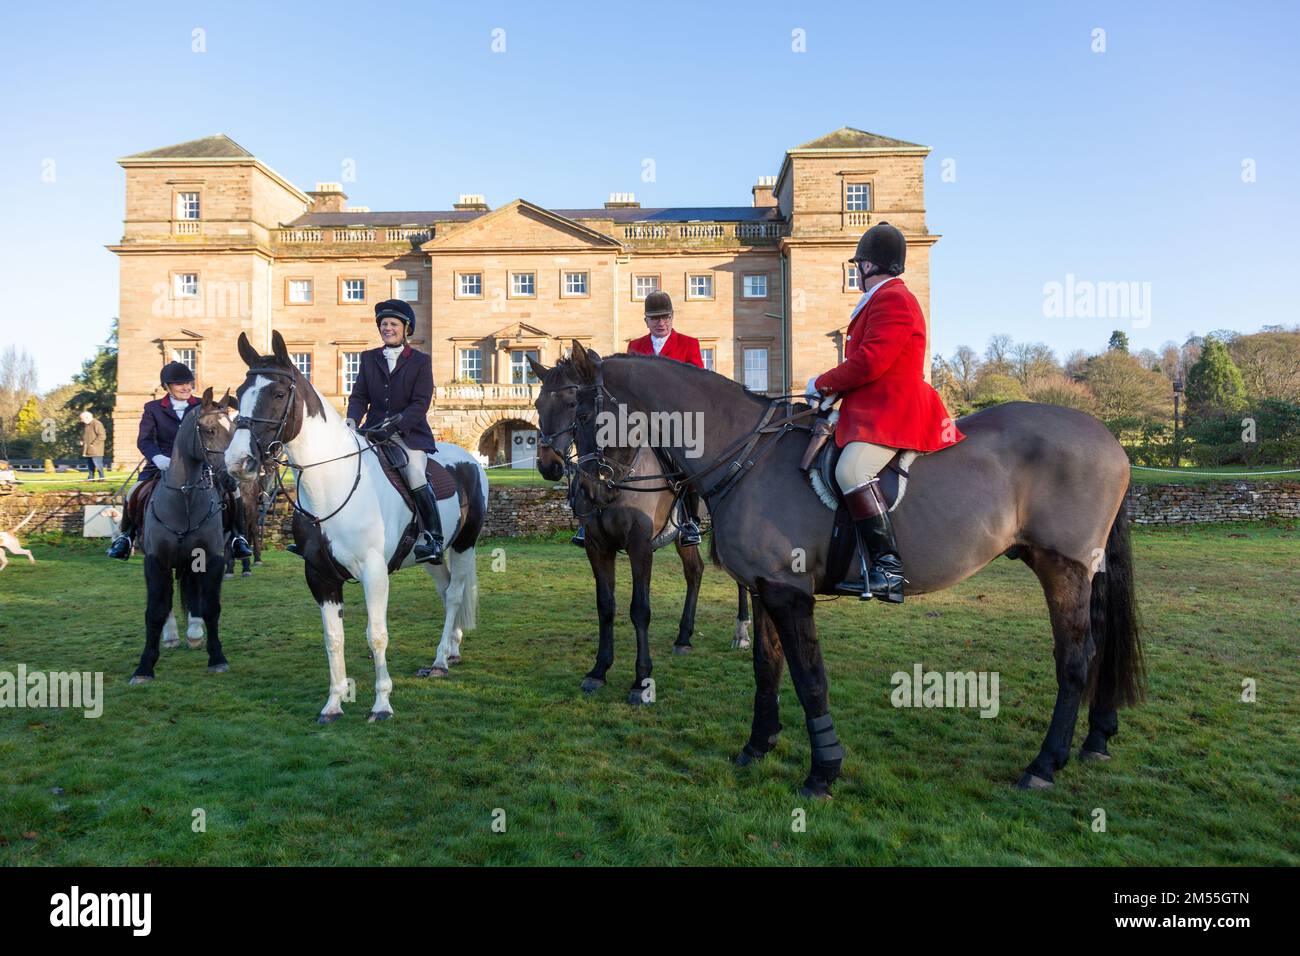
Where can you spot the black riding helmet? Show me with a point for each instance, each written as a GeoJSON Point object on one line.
{"type": "Point", "coordinates": [884, 247]}
{"type": "Point", "coordinates": [396, 309]}
{"type": "Point", "coordinates": [175, 373]}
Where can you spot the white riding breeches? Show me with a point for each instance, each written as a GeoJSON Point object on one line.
{"type": "Point", "coordinates": [860, 461]}
{"type": "Point", "coordinates": [415, 462]}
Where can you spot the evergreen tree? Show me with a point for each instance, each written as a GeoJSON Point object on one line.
{"type": "Point", "coordinates": [1214, 383]}
{"type": "Point", "coordinates": [1118, 341]}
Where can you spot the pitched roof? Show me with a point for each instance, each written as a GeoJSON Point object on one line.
{"type": "Point", "coordinates": [846, 137]}
{"type": "Point", "coordinates": [220, 146]}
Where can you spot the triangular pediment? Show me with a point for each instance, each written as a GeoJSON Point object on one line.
{"type": "Point", "coordinates": [521, 226]}
{"type": "Point", "coordinates": [520, 330]}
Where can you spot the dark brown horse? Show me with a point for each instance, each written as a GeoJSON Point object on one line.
{"type": "Point", "coordinates": [639, 519]}
{"type": "Point", "coordinates": [1039, 483]}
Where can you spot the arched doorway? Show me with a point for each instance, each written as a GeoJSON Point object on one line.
{"type": "Point", "coordinates": [511, 442]}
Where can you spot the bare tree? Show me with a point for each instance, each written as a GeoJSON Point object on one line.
{"type": "Point", "coordinates": [1032, 360]}
{"type": "Point", "coordinates": [17, 383]}
{"type": "Point", "coordinates": [997, 357]}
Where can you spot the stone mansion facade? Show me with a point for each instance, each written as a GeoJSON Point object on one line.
{"type": "Point", "coordinates": [216, 243]}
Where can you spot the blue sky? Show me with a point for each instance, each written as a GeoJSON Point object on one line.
{"type": "Point", "coordinates": [1122, 166]}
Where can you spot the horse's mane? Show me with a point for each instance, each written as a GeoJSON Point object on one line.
{"type": "Point", "coordinates": [732, 387]}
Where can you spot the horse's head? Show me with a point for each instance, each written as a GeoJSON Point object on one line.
{"type": "Point", "coordinates": [270, 407]}
{"type": "Point", "coordinates": [213, 429]}
{"type": "Point", "coordinates": [567, 410]}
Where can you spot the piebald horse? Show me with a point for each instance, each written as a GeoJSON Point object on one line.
{"type": "Point", "coordinates": [349, 520]}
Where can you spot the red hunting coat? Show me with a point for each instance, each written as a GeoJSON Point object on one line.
{"type": "Point", "coordinates": [683, 348]}
{"type": "Point", "coordinates": [885, 397]}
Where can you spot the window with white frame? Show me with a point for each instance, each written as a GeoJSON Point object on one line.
{"type": "Point", "coordinates": [707, 355]}
{"type": "Point", "coordinates": [351, 369]}
{"type": "Point", "coordinates": [187, 205]}
{"type": "Point", "coordinates": [471, 365]}
{"type": "Point", "coordinates": [187, 357]}
{"type": "Point", "coordinates": [699, 286]}
{"type": "Point", "coordinates": [642, 286]}
{"type": "Point", "coordinates": [521, 373]}
{"type": "Point", "coordinates": [523, 283]}
{"type": "Point", "coordinates": [755, 286]}
{"type": "Point", "coordinates": [857, 197]}
{"type": "Point", "coordinates": [185, 285]}
{"type": "Point", "coordinates": [302, 362]}
{"type": "Point", "coordinates": [756, 370]}
{"type": "Point", "coordinates": [469, 284]}
{"type": "Point", "coordinates": [299, 291]}
{"type": "Point", "coordinates": [853, 277]}
{"type": "Point", "coordinates": [408, 290]}
{"type": "Point", "coordinates": [575, 283]}
{"type": "Point", "coordinates": [354, 290]}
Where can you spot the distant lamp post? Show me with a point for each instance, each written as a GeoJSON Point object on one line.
{"type": "Point", "coordinates": [1178, 393]}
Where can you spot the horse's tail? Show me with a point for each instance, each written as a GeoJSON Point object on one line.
{"type": "Point", "coordinates": [191, 592]}
{"type": "Point", "coordinates": [1119, 674]}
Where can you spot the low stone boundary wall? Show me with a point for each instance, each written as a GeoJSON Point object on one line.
{"type": "Point", "coordinates": [515, 510]}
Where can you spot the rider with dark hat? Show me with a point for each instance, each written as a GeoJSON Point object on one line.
{"type": "Point", "coordinates": [158, 427]}
{"type": "Point", "coordinates": [667, 342]}
{"type": "Point", "coordinates": [887, 403]}
{"type": "Point", "coordinates": [392, 392]}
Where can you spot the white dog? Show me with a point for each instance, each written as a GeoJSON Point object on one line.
{"type": "Point", "coordinates": [9, 542]}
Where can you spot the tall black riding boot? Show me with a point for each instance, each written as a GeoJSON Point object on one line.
{"type": "Point", "coordinates": [239, 548]}
{"type": "Point", "coordinates": [121, 546]}
{"type": "Point", "coordinates": [428, 547]}
{"type": "Point", "coordinates": [882, 577]}
{"type": "Point", "coordinates": [688, 532]}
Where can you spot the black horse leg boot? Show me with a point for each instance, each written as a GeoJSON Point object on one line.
{"type": "Point", "coordinates": [428, 547]}
{"type": "Point", "coordinates": [885, 576]}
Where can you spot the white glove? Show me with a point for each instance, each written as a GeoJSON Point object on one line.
{"type": "Point", "coordinates": [812, 394]}
{"type": "Point", "coordinates": [161, 462]}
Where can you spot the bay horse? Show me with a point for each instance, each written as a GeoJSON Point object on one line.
{"type": "Point", "coordinates": [350, 522]}
{"type": "Point", "coordinates": [638, 520]}
{"type": "Point", "coordinates": [182, 537]}
{"type": "Point", "coordinates": [1039, 483]}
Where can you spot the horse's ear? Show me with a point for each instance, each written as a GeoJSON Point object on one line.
{"type": "Point", "coordinates": [228, 400]}
{"type": "Point", "coordinates": [539, 369]}
{"type": "Point", "coordinates": [585, 362]}
{"type": "Point", "coordinates": [207, 396]}
{"type": "Point", "coordinates": [279, 350]}
{"type": "Point", "coordinates": [247, 352]}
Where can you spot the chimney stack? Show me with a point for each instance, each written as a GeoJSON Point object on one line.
{"type": "Point", "coordinates": [622, 201]}
{"type": "Point", "coordinates": [763, 191]}
{"type": "Point", "coordinates": [472, 202]}
{"type": "Point", "coordinates": [327, 197]}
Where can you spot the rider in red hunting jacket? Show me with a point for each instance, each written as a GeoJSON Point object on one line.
{"type": "Point", "coordinates": [886, 404]}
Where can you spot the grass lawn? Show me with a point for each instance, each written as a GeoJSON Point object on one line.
{"type": "Point", "coordinates": [1194, 475]}
{"type": "Point", "coordinates": [1198, 777]}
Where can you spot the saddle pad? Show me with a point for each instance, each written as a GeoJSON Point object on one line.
{"type": "Point", "coordinates": [139, 501]}
{"type": "Point", "coordinates": [440, 480]}
{"type": "Point", "coordinates": [889, 476]}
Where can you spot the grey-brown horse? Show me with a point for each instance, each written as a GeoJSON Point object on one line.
{"type": "Point", "coordinates": [1039, 483]}
{"type": "Point", "coordinates": [182, 535]}
{"type": "Point", "coordinates": [638, 520]}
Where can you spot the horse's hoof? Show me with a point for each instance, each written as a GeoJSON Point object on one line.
{"type": "Point", "coordinates": [453, 659]}
{"type": "Point", "coordinates": [247, 574]}
{"type": "Point", "coordinates": [636, 697]}
{"type": "Point", "coordinates": [140, 679]}
{"type": "Point", "coordinates": [739, 642]}
{"type": "Point", "coordinates": [378, 715]}
{"type": "Point", "coordinates": [172, 645]}
{"type": "Point", "coordinates": [818, 793]}
{"type": "Point", "coordinates": [229, 576]}
{"type": "Point", "coordinates": [745, 758]}
{"type": "Point", "coordinates": [1032, 781]}
{"type": "Point", "coordinates": [592, 684]}
{"type": "Point", "coordinates": [329, 718]}
{"type": "Point", "coordinates": [682, 648]}
{"type": "Point", "coordinates": [218, 668]}
{"type": "Point", "coordinates": [1093, 755]}
{"type": "Point", "coordinates": [194, 643]}
{"type": "Point", "coordinates": [257, 564]}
